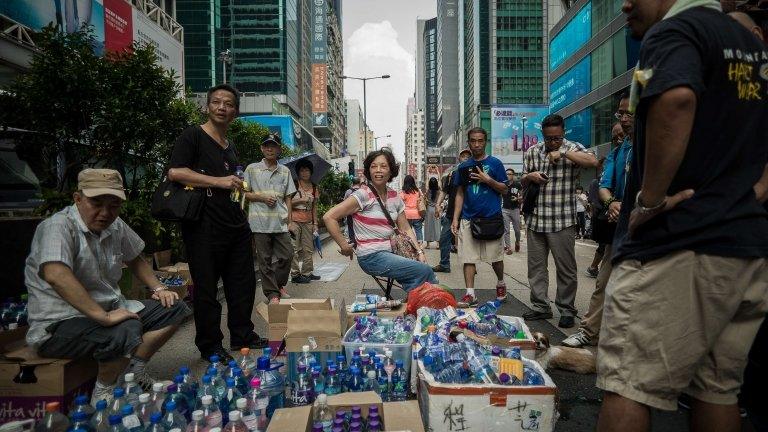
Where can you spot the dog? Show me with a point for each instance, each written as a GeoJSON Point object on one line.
{"type": "Point", "coordinates": [577, 360]}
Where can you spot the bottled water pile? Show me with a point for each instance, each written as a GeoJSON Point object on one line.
{"type": "Point", "coordinates": [382, 330]}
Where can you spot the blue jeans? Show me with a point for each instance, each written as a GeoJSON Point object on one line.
{"type": "Point", "coordinates": [417, 224]}
{"type": "Point", "coordinates": [445, 243]}
{"type": "Point", "coordinates": [407, 272]}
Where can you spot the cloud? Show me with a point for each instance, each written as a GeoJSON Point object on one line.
{"type": "Point", "coordinates": [374, 40]}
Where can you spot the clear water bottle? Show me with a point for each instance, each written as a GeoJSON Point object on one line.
{"type": "Point", "coordinates": [218, 382]}
{"type": "Point", "coordinates": [366, 365]}
{"type": "Point", "coordinates": [235, 194]}
{"type": "Point", "coordinates": [119, 401]}
{"type": "Point", "coordinates": [531, 377]}
{"type": "Point", "coordinates": [158, 396]}
{"type": "Point", "coordinates": [249, 417]}
{"type": "Point", "coordinates": [356, 362]}
{"type": "Point", "coordinates": [180, 400]}
{"type": "Point", "coordinates": [80, 422]}
{"type": "Point", "coordinates": [482, 328]}
{"type": "Point", "coordinates": [356, 382]}
{"type": "Point", "coordinates": [272, 382]}
{"type": "Point", "coordinates": [332, 382]}
{"type": "Point", "coordinates": [240, 382]}
{"type": "Point", "coordinates": [82, 405]}
{"type": "Point", "coordinates": [305, 357]}
{"type": "Point", "coordinates": [198, 422]}
{"type": "Point", "coordinates": [145, 408]}
{"type": "Point", "coordinates": [235, 423]}
{"type": "Point", "coordinates": [190, 381]}
{"type": "Point", "coordinates": [246, 361]}
{"type": "Point", "coordinates": [383, 379]}
{"type": "Point", "coordinates": [156, 423]}
{"type": "Point", "coordinates": [172, 419]}
{"type": "Point", "coordinates": [206, 389]}
{"type": "Point", "coordinates": [100, 419]}
{"type": "Point", "coordinates": [231, 395]}
{"type": "Point", "coordinates": [230, 372]}
{"type": "Point", "coordinates": [302, 392]}
{"type": "Point", "coordinates": [258, 402]}
{"type": "Point", "coordinates": [452, 373]}
{"type": "Point", "coordinates": [131, 421]}
{"type": "Point", "coordinates": [399, 390]}
{"type": "Point", "coordinates": [321, 413]}
{"type": "Point", "coordinates": [342, 371]}
{"type": "Point", "coordinates": [116, 423]}
{"type": "Point", "coordinates": [371, 384]}
{"type": "Point", "coordinates": [330, 363]}
{"type": "Point", "coordinates": [488, 308]}
{"type": "Point", "coordinates": [318, 381]}
{"type": "Point", "coordinates": [480, 368]}
{"type": "Point", "coordinates": [211, 413]}
{"type": "Point", "coordinates": [216, 363]}
{"type": "Point", "coordinates": [132, 390]}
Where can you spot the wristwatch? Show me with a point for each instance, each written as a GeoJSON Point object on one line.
{"type": "Point", "coordinates": [159, 288]}
{"type": "Point", "coordinates": [563, 151]}
{"type": "Point", "coordinates": [647, 210]}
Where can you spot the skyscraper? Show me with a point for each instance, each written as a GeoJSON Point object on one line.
{"type": "Point", "coordinates": [201, 20]}
{"type": "Point", "coordinates": [430, 75]}
{"type": "Point", "coordinates": [447, 70]}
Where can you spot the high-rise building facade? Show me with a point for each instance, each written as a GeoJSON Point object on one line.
{"type": "Point", "coordinates": [447, 71]}
{"type": "Point", "coordinates": [415, 146]}
{"type": "Point", "coordinates": [421, 80]}
{"type": "Point", "coordinates": [201, 20]}
{"type": "Point", "coordinates": [356, 132]}
{"type": "Point", "coordinates": [592, 57]}
{"type": "Point", "coordinates": [336, 130]}
{"type": "Point", "coordinates": [430, 86]}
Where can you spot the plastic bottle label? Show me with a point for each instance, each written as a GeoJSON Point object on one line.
{"type": "Point", "coordinates": [213, 419]}
{"type": "Point", "coordinates": [131, 422]}
{"type": "Point", "coordinates": [251, 422]}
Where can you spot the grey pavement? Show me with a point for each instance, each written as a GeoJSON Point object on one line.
{"type": "Point", "coordinates": [579, 398]}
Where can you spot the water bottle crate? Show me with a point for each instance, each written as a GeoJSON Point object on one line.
{"type": "Point", "coordinates": [399, 351]}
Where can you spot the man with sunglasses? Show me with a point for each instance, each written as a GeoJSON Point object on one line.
{"type": "Point", "coordinates": [554, 165]}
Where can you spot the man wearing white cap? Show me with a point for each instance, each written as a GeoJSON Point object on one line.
{"type": "Point", "coordinates": [75, 305]}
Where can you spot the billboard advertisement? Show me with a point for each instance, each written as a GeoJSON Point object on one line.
{"type": "Point", "coordinates": [573, 84]}
{"type": "Point", "coordinates": [319, 63]}
{"type": "Point", "coordinates": [514, 129]}
{"type": "Point", "coordinates": [578, 127]}
{"type": "Point", "coordinates": [66, 15]}
{"type": "Point", "coordinates": [573, 36]}
{"type": "Point", "coordinates": [283, 125]}
{"type": "Point", "coordinates": [118, 25]}
{"type": "Point", "coordinates": [170, 52]}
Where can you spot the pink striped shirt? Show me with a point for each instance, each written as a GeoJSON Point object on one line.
{"type": "Point", "coordinates": [372, 230]}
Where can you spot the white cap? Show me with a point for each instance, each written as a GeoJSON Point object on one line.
{"type": "Point", "coordinates": [322, 398]}
{"type": "Point", "coordinates": [198, 415]}
{"type": "Point", "coordinates": [13, 326]}
{"type": "Point", "coordinates": [179, 430]}
{"type": "Point", "coordinates": [207, 400]}
{"type": "Point", "coordinates": [129, 377]}
{"type": "Point", "coordinates": [216, 429]}
{"type": "Point", "coordinates": [372, 374]}
{"type": "Point", "coordinates": [144, 398]}
{"type": "Point", "coordinates": [234, 416]}
{"type": "Point", "coordinates": [157, 387]}
{"type": "Point", "coordinates": [241, 403]}
{"type": "Point", "coordinates": [305, 348]}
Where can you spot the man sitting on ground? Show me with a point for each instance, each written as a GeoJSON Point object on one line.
{"type": "Point", "coordinates": [75, 305]}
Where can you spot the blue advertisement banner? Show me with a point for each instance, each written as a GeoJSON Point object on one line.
{"type": "Point", "coordinates": [283, 125]}
{"type": "Point", "coordinates": [515, 129]}
{"type": "Point", "coordinates": [575, 34]}
{"type": "Point", "coordinates": [578, 127]}
{"type": "Point", "coordinates": [572, 85]}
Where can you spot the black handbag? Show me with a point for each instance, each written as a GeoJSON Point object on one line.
{"type": "Point", "coordinates": [530, 197]}
{"type": "Point", "coordinates": [490, 228]}
{"type": "Point", "coordinates": [175, 202]}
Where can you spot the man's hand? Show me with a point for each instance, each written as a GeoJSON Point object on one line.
{"type": "Point", "coordinates": [115, 317]}
{"type": "Point", "coordinates": [422, 258]}
{"type": "Point", "coordinates": [455, 227]}
{"type": "Point", "coordinates": [269, 200]}
{"type": "Point", "coordinates": [230, 182]}
{"type": "Point", "coordinates": [347, 250]}
{"type": "Point", "coordinates": [554, 156]}
{"type": "Point", "coordinates": [479, 175]}
{"type": "Point", "coordinates": [613, 211]}
{"type": "Point", "coordinates": [537, 177]}
{"type": "Point", "coordinates": [166, 297]}
{"type": "Point", "coordinates": [636, 218]}
{"type": "Point", "coordinates": [292, 227]}
{"type": "Point", "coordinates": [438, 210]}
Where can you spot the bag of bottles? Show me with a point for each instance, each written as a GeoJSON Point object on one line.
{"type": "Point", "coordinates": [431, 296]}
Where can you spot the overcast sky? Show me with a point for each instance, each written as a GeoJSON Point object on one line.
{"type": "Point", "coordinates": [380, 39]}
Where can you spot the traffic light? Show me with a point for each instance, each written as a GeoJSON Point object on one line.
{"type": "Point", "coordinates": [351, 168]}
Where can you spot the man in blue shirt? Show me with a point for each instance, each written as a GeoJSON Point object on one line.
{"type": "Point", "coordinates": [480, 184]}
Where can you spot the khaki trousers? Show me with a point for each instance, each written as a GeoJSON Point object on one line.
{"type": "Point", "coordinates": [304, 248]}
{"type": "Point", "coordinates": [592, 320]}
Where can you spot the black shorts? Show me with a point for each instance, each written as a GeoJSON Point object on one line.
{"type": "Point", "coordinates": [83, 337]}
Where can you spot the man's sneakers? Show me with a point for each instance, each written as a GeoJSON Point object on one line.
{"type": "Point", "coordinates": [440, 269]}
{"type": "Point", "coordinates": [102, 392]}
{"type": "Point", "coordinates": [501, 292]}
{"type": "Point", "coordinates": [313, 276]}
{"type": "Point", "coordinates": [591, 272]}
{"type": "Point", "coordinates": [467, 301]}
{"type": "Point", "coordinates": [566, 322]}
{"type": "Point", "coordinates": [254, 342]}
{"type": "Point", "coordinates": [536, 315]}
{"type": "Point", "coordinates": [578, 340]}
{"type": "Point", "coordinates": [144, 381]}
{"type": "Point", "coordinates": [224, 356]}
{"type": "Point", "coordinates": [301, 279]}
{"type": "Point", "coordinates": [508, 250]}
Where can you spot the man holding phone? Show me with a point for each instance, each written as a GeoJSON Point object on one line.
{"type": "Point", "coordinates": [554, 165]}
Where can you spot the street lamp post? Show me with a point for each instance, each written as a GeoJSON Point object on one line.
{"type": "Point", "coordinates": [522, 139]}
{"type": "Point", "coordinates": [226, 58]}
{"type": "Point", "coordinates": [376, 142]}
{"type": "Point", "coordinates": [365, 106]}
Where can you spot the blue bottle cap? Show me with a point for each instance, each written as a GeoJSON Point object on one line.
{"type": "Point", "coordinates": [101, 405]}
{"type": "Point", "coordinates": [214, 359]}
{"type": "Point", "coordinates": [178, 379]}
{"type": "Point", "coordinates": [118, 392]}
{"type": "Point", "coordinates": [232, 364]}
{"type": "Point", "coordinates": [302, 368]}
{"type": "Point", "coordinates": [127, 410]}
{"type": "Point", "coordinates": [399, 363]}
{"type": "Point", "coordinates": [230, 382]}
{"type": "Point", "coordinates": [184, 370]}
{"type": "Point", "coordinates": [79, 416]}
{"type": "Point", "coordinates": [207, 379]}
{"type": "Point", "coordinates": [428, 360]}
{"type": "Point", "coordinates": [155, 417]}
{"type": "Point", "coordinates": [355, 370]}
{"type": "Point", "coordinates": [115, 419]}
{"type": "Point", "coordinates": [212, 371]}
{"type": "Point", "coordinates": [81, 400]}
{"type": "Point", "coordinates": [497, 304]}
{"type": "Point", "coordinates": [237, 372]}
{"type": "Point", "coordinates": [170, 406]}
{"type": "Point", "coordinates": [262, 363]}
{"type": "Point", "coordinates": [341, 358]}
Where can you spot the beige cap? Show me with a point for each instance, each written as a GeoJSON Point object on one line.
{"type": "Point", "coordinates": [465, 150]}
{"type": "Point", "coordinates": [94, 182]}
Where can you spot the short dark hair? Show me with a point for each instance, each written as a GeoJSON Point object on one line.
{"type": "Point", "coordinates": [394, 167]}
{"type": "Point", "coordinates": [624, 95]}
{"type": "Point", "coordinates": [579, 187]}
{"type": "Point", "coordinates": [553, 120]}
{"type": "Point", "coordinates": [225, 87]}
{"type": "Point", "coordinates": [477, 130]}
{"type": "Point", "coordinates": [510, 169]}
{"type": "Point", "coordinates": [304, 163]}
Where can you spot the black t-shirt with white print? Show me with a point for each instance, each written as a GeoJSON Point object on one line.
{"type": "Point", "coordinates": [727, 68]}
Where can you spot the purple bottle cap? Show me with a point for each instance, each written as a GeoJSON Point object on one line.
{"type": "Point", "coordinates": [504, 378]}
{"type": "Point", "coordinates": [356, 410]}
{"type": "Point", "coordinates": [496, 351]}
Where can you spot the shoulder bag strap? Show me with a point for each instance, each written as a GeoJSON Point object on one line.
{"type": "Point", "coordinates": [383, 207]}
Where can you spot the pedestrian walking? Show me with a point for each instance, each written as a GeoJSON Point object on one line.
{"type": "Point", "coordinates": [510, 208]}
{"type": "Point", "coordinates": [304, 216]}
{"type": "Point", "coordinates": [271, 189]}
{"type": "Point", "coordinates": [581, 211]}
{"type": "Point", "coordinates": [692, 235]}
{"type": "Point", "coordinates": [431, 222]}
{"type": "Point", "coordinates": [477, 220]}
{"type": "Point", "coordinates": [446, 204]}
{"type": "Point", "coordinates": [414, 207]}
{"type": "Point", "coordinates": [553, 165]}
{"type": "Point", "coordinates": [218, 246]}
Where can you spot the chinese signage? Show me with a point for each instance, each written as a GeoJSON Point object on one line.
{"type": "Point", "coordinates": [319, 63]}
{"type": "Point", "coordinates": [515, 129]}
{"type": "Point", "coordinates": [575, 34]}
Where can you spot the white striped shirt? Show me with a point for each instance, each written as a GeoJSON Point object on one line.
{"type": "Point", "coordinates": [372, 230]}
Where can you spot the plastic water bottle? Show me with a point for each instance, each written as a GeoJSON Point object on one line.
{"type": "Point", "coordinates": [318, 382]}
{"type": "Point", "coordinates": [531, 377]}
{"type": "Point", "coordinates": [322, 414]}
{"type": "Point", "coordinates": [198, 422]}
{"type": "Point", "coordinates": [342, 371]}
{"type": "Point", "coordinates": [371, 383]}
{"type": "Point", "coordinates": [132, 390]}
{"type": "Point", "coordinates": [116, 423]}
{"type": "Point", "coordinates": [206, 389]}
{"type": "Point", "coordinates": [211, 413]}
{"type": "Point", "coordinates": [235, 424]}
{"type": "Point", "coordinates": [190, 381]}
{"type": "Point", "coordinates": [80, 422]}
{"type": "Point", "coordinates": [156, 423]}
{"type": "Point", "coordinates": [249, 417]}
{"type": "Point", "coordinates": [452, 373]}
{"type": "Point", "coordinates": [366, 365]}
{"type": "Point", "coordinates": [480, 368]}
{"type": "Point", "coordinates": [216, 363]}
{"type": "Point", "coordinates": [240, 382]}
{"type": "Point", "coordinates": [82, 405]}
{"type": "Point", "coordinates": [100, 419]}
{"type": "Point", "coordinates": [258, 401]}
{"type": "Point", "coordinates": [305, 357]}
{"type": "Point", "coordinates": [145, 408]}
{"type": "Point", "coordinates": [356, 362]}
{"type": "Point", "coordinates": [374, 426]}
{"type": "Point", "coordinates": [272, 382]}
{"type": "Point", "coordinates": [158, 396]}
{"type": "Point", "coordinates": [399, 390]}
{"type": "Point", "coordinates": [302, 392]}
{"type": "Point", "coordinates": [131, 421]}
{"type": "Point", "coordinates": [332, 383]}
{"type": "Point", "coordinates": [231, 395]}
{"type": "Point", "coordinates": [483, 328]}
{"type": "Point", "coordinates": [180, 400]}
{"type": "Point", "coordinates": [217, 381]}
{"type": "Point", "coordinates": [246, 362]}
{"type": "Point", "coordinates": [356, 382]}
{"type": "Point", "coordinates": [172, 418]}
{"type": "Point", "coordinates": [116, 407]}
{"type": "Point", "coordinates": [330, 363]}
{"type": "Point", "coordinates": [383, 379]}
{"type": "Point", "coordinates": [488, 308]}
{"type": "Point", "coordinates": [230, 371]}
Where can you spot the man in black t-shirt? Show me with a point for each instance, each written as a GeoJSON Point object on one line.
{"type": "Point", "coordinates": [689, 289]}
{"type": "Point", "coordinates": [510, 209]}
{"type": "Point", "coordinates": [444, 211]}
{"type": "Point", "coordinates": [218, 246]}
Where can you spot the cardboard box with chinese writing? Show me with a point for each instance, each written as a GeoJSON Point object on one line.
{"type": "Point", "coordinates": [397, 416]}
{"type": "Point", "coordinates": [28, 382]}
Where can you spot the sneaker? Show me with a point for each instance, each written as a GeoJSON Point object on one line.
{"type": "Point", "coordinates": [566, 322]}
{"type": "Point", "coordinates": [144, 381]}
{"type": "Point", "coordinates": [501, 292]}
{"type": "Point", "coordinates": [313, 276]}
{"type": "Point", "coordinates": [536, 315]}
{"type": "Point", "coordinates": [440, 269]}
{"type": "Point", "coordinates": [517, 246]}
{"type": "Point", "coordinates": [578, 340]}
{"type": "Point", "coordinates": [284, 293]}
{"type": "Point", "coordinates": [467, 301]}
{"type": "Point", "coordinates": [106, 393]}
{"type": "Point", "coordinates": [508, 250]}
{"type": "Point", "coordinates": [255, 342]}
{"type": "Point", "coordinates": [591, 272]}
{"type": "Point", "coordinates": [224, 356]}
{"type": "Point", "coordinates": [301, 279]}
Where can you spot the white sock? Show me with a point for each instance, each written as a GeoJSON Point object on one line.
{"type": "Point", "coordinates": [136, 365]}
{"type": "Point", "coordinates": [471, 291]}
{"type": "Point", "coordinates": [501, 282]}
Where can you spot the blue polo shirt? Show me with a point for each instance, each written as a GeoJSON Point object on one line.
{"type": "Point", "coordinates": [616, 167]}
{"type": "Point", "coordinates": [480, 200]}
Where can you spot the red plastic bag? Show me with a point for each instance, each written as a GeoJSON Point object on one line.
{"type": "Point", "coordinates": [431, 296]}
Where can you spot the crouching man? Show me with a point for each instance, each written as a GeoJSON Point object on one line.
{"type": "Point", "coordinates": [75, 305]}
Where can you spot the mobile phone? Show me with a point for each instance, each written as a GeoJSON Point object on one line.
{"type": "Point", "coordinates": [544, 175]}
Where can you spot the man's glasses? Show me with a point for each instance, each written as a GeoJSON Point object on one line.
{"type": "Point", "coordinates": [553, 139]}
{"type": "Point", "coordinates": [620, 114]}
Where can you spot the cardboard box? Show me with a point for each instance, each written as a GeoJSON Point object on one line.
{"type": "Point", "coordinates": [397, 416]}
{"type": "Point", "coordinates": [161, 259]}
{"type": "Point", "coordinates": [13, 339]}
{"type": "Point", "coordinates": [487, 407]}
{"type": "Point", "coordinates": [392, 313]}
{"type": "Point", "coordinates": [180, 268]}
{"type": "Point", "coordinates": [276, 316]}
{"type": "Point", "coordinates": [56, 380]}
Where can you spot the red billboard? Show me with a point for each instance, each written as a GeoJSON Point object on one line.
{"type": "Point", "coordinates": [118, 25]}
